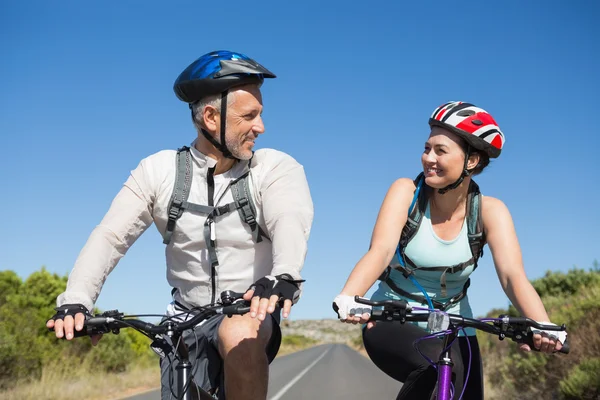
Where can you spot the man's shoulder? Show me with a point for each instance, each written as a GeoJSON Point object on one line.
{"type": "Point", "coordinates": [157, 167]}
{"type": "Point", "coordinates": [272, 157]}
{"type": "Point", "coordinates": [161, 156]}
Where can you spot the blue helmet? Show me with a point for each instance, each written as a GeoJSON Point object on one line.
{"type": "Point", "coordinates": [217, 72]}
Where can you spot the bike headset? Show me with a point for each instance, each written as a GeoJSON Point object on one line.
{"type": "Point", "coordinates": [213, 73]}
{"type": "Point", "coordinates": [474, 125]}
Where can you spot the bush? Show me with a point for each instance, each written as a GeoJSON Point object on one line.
{"type": "Point", "coordinates": [27, 347]}
{"type": "Point", "coordinates": [583, 381]}
{"type": "Point", "coordinates": [573, 299]}
{"type": "Point", "coordinates": [560, 284]}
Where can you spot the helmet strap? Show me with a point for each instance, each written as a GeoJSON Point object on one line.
{"type": "Point", "coordinates": [211, 139]}
{"type": "Point", "coordinates": [223, 145]}
{"type": "Point", "coordinates": [464, 174]}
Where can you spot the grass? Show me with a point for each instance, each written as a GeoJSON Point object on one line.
{"type": "Point", "coordinates": [293, 343]}
{"type": "Point", "coordinates": [64, 381]}
{"type": "Point", "coordinates": [80, 383]}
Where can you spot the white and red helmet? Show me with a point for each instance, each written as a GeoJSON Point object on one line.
{"type": "Point", "coordinates": [471, 123]}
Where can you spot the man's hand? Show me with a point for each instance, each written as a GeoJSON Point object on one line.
{"type": "Point", "coordinates": [266, 293]}
{"type": "Point", "coordinates": [67, 318]}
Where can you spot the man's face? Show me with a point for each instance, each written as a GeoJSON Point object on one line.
{"type": "Point", "coordinates": [244, 121]}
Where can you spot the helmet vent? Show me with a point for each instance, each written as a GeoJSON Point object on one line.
{"type": "Point", "coordinates": [465, 113]}
{"type": "Point", "coordinates": [477, 122]}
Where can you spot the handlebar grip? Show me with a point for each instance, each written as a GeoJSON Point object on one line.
{"type": "Point", "coordinates": [565, 347]}
{"type": "Point", "coordinates": [86, 331]}
{"type": "Point", "coordinates": [528, 340]}
{"type": "Point", "coordinates": [91, 326]}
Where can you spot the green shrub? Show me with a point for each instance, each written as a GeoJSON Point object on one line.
{"type": "Point", "coordinates": [27, 347]}
{"type": "Point", "coordinates": [574, 299]}
{"type": "Point", "coordinates": [583, 381]}
{"type": "Point", "coordinates": [560, 284]}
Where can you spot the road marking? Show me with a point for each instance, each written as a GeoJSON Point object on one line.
{"type": "Point", "coordinates": [297, 378]}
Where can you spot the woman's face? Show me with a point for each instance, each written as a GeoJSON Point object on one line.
{"type": "Point", "coordinates": [443, 158]}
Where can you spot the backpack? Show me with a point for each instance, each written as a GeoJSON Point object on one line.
{"type": "Point", "coordinates": [415, 215]}
{"type": "Point", "coordinates": [243, 203]}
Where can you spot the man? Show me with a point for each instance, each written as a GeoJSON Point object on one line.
{"type": "Point", "coordinates": [232, 219]}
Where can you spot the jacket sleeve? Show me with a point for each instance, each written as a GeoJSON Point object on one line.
{"type": "Point", "coordinates": [288, 211]}
{"type": "Point", "coordinates": [127, 218]}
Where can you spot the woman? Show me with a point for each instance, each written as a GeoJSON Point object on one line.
{"type": "Point", "coordinates": [463, 138]}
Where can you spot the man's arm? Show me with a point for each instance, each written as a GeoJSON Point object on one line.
{"type": "Point", "coordinates": [288, 212]}
{"type": "Point", "coordinates": [127, 218]}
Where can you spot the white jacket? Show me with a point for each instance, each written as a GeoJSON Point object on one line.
{"type": "Point", "coordinates": [284, 211]}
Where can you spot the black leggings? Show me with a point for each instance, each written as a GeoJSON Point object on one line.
{"type": "Point", "coordinates": [390, 346]}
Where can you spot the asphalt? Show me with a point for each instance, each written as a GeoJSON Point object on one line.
{"type": "Point", "coordinates": [331, 371]}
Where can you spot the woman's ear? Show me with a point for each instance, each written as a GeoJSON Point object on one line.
{"type": "Point", "coordinates": [473, 162]}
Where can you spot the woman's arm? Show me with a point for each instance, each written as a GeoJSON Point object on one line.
{"type": "Point", "coordinates": [386, 234]}
{"type": "Point", "coordinates": [506, 252]}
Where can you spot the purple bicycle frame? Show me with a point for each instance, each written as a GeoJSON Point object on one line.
{"type": "Point", "coordinates": [444, 368]}
{"type": "Point", "coordinates": [444, 380]}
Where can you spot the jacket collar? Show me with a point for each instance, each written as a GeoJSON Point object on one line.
{"type": "Point", "coordinates": [205, 162]}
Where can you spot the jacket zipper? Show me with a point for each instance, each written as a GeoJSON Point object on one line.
{"type": "Point", "coordinates": [210, 179]}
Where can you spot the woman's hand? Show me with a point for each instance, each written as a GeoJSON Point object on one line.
{"type": "Point", "coordinates": [546, 341]}
{"type": "Point", "coordinates": [350, 311]}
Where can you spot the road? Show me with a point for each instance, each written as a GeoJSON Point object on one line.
{"type": "Point", "coordinates": [330, 371]}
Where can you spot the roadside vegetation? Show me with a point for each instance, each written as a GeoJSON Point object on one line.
{"type": "Point", "coordinates": [572, 298]}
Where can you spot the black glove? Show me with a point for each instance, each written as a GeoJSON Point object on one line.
{"type": "Point", "coordinates": [282, 285]}
{"type": "Point", "coordinates": [70, 309]}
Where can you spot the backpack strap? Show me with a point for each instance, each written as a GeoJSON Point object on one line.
{"type": "Point", "coordinates": [475, 222]}
{"type": "Point", "coordinates": [240, 189]}
{"type": "Point", "coordinates": [415, 215]}
{"type": "Point", "coordinates": [444, 269]}
{"type": "Point", "coordinates": [421, 299]}
{"type": "Point", "coordinates": [181, 190]}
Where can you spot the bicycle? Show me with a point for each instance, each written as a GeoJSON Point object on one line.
{"type": "Point", "coordinates": [517, 329]}
{"type": "Point", "coordinates": [112, 321]}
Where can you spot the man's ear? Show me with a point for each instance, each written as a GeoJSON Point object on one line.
{"type": "Point", "coordinates": [211, 118]}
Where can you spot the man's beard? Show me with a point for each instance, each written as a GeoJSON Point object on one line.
{"type": "Point", "coordinates": [236, 149]}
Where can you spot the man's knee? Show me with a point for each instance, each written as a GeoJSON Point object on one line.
{"type": "Point", "coordinates": [239, 329]}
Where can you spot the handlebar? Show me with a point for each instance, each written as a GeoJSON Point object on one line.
{"type": "Point", "coordinates": [112, 321]}
{"type": "Point", "coordinates": [517, 329]}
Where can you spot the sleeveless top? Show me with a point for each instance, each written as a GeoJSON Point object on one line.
{"type": "Point", "coordinates": [426, 249]}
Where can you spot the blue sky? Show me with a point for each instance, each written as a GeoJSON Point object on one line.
{"type": "Point", "coordinates": [86, 93]}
